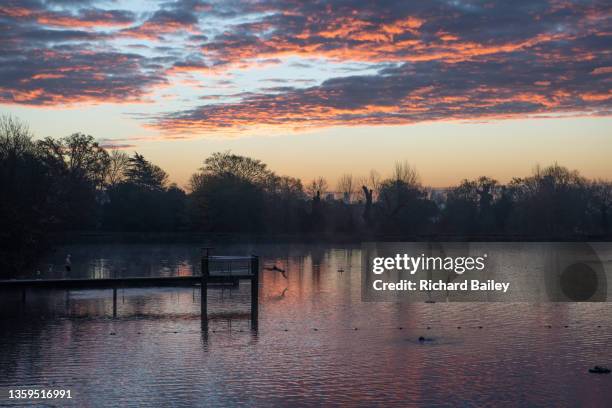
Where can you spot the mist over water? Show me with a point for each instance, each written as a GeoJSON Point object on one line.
{"type": "Point", "coordinates": [317, 342]}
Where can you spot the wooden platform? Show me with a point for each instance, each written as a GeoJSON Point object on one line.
{"type": "Point", "coordinates": [118, 283]}
{"type": "Point", "coordinates": [216, 270]}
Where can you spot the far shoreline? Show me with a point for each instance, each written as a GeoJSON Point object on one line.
{"type": "Point", "coordinates": [207, 238]}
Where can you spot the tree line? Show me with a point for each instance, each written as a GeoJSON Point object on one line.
{"type": "Point", "coordinates": [74, 184]}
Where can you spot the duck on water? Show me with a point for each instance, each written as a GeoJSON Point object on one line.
{"type": "Point", "coordinates": [599, 370]}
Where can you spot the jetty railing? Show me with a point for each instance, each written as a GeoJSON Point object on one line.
{"type": "Point", "coordinates": [230, 269]}
{"type": "Point", "coordinates": [215, 270]}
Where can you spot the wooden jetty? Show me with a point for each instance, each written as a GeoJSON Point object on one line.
{"type": "Point", "coordinates": [225, 270]}
{"type": "Point", "coordinates": [230, 269]}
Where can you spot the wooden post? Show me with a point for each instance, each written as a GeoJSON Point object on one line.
{"type": "Point", "coordinates": [204, 291]}
{"type": "Point", "coordinates": [114, 302]}
{"type": "Point", "coordinates": [254, 291]}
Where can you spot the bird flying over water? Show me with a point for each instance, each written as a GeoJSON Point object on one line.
{"type": "Point", "coordinates": [275, 268]}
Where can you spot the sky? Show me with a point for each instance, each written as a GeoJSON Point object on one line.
{"type": "Point", "coordinates": [458, 89]}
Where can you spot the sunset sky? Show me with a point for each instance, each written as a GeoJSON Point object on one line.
{"type": "Point", "coordinates": [457, 88]}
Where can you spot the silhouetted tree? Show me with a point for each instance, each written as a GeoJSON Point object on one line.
{"type": "Point", "coordinates": [601, 203]}
{"type": "Point", "coordinates": [241, 167]}
{"type": "Point", "coordinates": [144, 174]}
{"type": "Point", "coordinates": [285, 205]}
{"type": "Point", "coordinates": [316, 190]}
{"type": "Point", "coordinates": [317, 187]}
{"type": "Point", "coordinates": [553, 202]}
{"type": "Point", "coordinates": [367, 209]}
{"type": "Point", "coordinates": [403, 203]}
{"type": "Point", "coordinates": [471, 207]}
{"type": "Point", "coordinates": [142, 202]}
{"type": "Point", "coordinates": [226, 203]}
{"type": "Point", "coordinates": [502, 209]}
{"type": "Point", "coordinates": [78, 165]}
{"type": "Point", "coordinates": [346, 187]}
{"type": "Point", "coordinates": [229, 194]}
{"type": "Point", "coordinates": [117, 169]}
{"type": "Point", "coordinates": [26, 205]}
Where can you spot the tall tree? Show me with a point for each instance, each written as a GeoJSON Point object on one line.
{"type": "Point", "coordinates": [404, 203]}
{"type": "Point", "coordinates": [552, 203]}
{"type": "Point", "coordinates": [78, 166]}
{"type": "Point", "coordinates": [346, 186]}
{"type": "Point", "coordinates": [27, 194]}
{"type": "Point", "coordinates": [144, 174]}
{"type": "Point", "coordinates": [242, 167]}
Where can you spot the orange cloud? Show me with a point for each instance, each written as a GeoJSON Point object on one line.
{"type": "Point", "coordinates": [15, 12]}
{"type": "Point", "coordinates": [593, 96]}
{"type": "Point", "coordinates": [58, 20]}
{"type": "Point", "coordinates": [602, 71]}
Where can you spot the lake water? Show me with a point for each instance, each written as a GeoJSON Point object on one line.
{"type": "Point", "coordinates": [317, 342]}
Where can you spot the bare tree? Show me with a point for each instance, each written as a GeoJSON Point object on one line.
{"type": "Point", "coordinates": [15, 137]}
{"type": "Point", "coordinates": [372, 183]}
{"type": "Point", "coordinates": [406, 173]}
{"type": "Point", "coordinates": [119, 162]}
{"type": "Point", "coordinates": [317, 187]}
{"type": "Point", "coordinates": [374, 180]}
{"type": "Point", "coordinates": [370, 186]}
{"type": "Point", "coordinates": [367, 209]}
{"type": "Point", "coordinates": [346, 186]}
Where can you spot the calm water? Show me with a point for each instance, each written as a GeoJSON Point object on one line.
{"type": "Point", "coordinates": [317, 343]}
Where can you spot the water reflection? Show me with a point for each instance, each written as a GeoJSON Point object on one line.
{"type": "Point", "coordinates": [317, 342]}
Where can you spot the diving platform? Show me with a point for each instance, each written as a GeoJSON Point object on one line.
{"type": "Point", "coordinates": [215, 270]}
